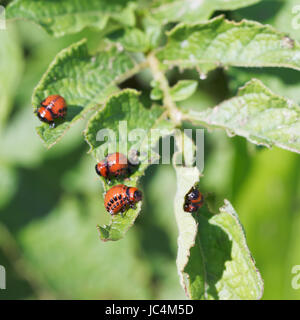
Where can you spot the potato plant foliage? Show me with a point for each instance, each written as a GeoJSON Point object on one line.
{"type": "Point", "coordinates": [152, 39]}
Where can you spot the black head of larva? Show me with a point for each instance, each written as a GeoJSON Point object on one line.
{"type": "Point", "coordinates": [193, 194]}
{"type": "Point", "coordinates": [138, 195]}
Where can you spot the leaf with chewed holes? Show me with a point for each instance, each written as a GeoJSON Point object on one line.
{"type": "Point", "coordinates": [130, 127]}
{"type": "Point", "coordinates": [84, 80]}
{"type": "Point", "coordinates": [257, 114]}
{"type": "Point", "coordinates": [220, 42]}
{"type": "Point", "coordinates": [63, 17]}
{"type": "Point", "coordinates": [213, 259]}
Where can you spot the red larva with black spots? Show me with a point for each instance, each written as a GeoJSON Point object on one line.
{"type": "Point", "coordinates": [53, 107]}
{"type": "Point", "coordinates": [193, 200]}
{"type": "Point", "coordinates": [120, 197]}
{"type": "Point", "coordinates": [114, 165]}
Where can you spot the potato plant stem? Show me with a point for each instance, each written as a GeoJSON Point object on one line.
{"type": "Point", "coordinates": [160, 77]}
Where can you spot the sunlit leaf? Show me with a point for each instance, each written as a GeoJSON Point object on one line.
{"type": "Point", "coordinates": [183, 89]}
{"type": "Point", "coordinates": [213, 259]}
{"type": "Point", "coordinates": [84, 81]}
{"type": "Point", "coordinates": [132, 39]}
{"type": "Point", "coordinates": [69, 16]}
{"type": "Point", "coordinates": [284, 15]}
{"type": "Point", "coordinates": [223, 43]}
{"type": "Point", "coordinates": [257, 114]}
{"type": "Point", "coordinates": [194, 10]}
{"type": "Point", "coordinates": [124, 115]}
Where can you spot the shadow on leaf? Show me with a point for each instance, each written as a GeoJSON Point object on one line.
{"type": "Point", "coordinates": [207, 258]}
{"type": "Point", "coordinates": [73, 111]}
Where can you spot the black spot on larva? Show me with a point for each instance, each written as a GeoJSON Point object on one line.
{"type": "Point", "coordinates": [120, 197]}
{"type": "Point", "coordinates": [117, 204]}
{"type": "Point", "coordinates": [109, 204]}
{"type": "Point", "coordinates": [111, 200]}
{"type": "Point", "coordinates": [115, 198]}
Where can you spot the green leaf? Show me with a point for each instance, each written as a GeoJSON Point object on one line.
{"type": "Point", "coordinates": [153, 30]}
{"type": "Point", "coordinates": [194, 10]}
{"type": "Point", "coordinates": [122, 114]}
{"type": "Point", "coordinates": [276, 14]}
{"type": "Point", "coordinates": [156, 93]}
{"type": "Point", "coordinates": [183, 89]}
{"type": "Point", "coordinates": [257, 114]}
{"type": "Point", "coordinates": [282, 15]}
{"type": "Point", "coordinates": [282, 81]}
{"type": "Point", "coordinates": [220, 42]}
{"type": "Point", "coordinates": [63, 17]}
{"type": "Point", "coordinates": [84, 81]}
{"type": "Point", "coordinates": [213, 259]}
{"type": "Point", "coordinates": [131, 39]}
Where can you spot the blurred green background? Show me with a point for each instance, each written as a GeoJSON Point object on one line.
{"type": "Point", "coordinates": [51, 201]}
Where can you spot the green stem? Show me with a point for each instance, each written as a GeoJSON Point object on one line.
{"type": "Point", "coordinates": [160, 77]}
